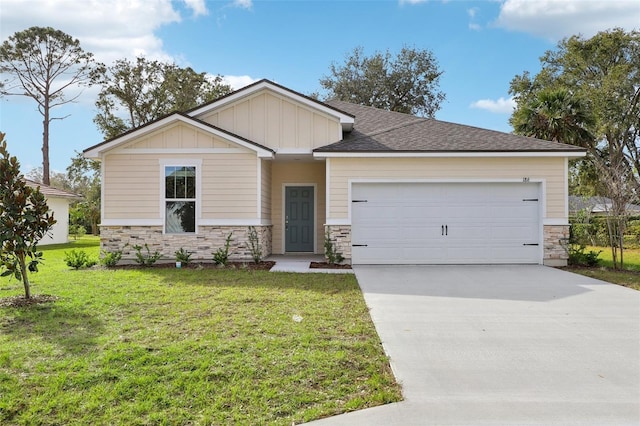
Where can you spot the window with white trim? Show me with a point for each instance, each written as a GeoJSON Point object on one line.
{"type": "Point", "coordinates": [180, 199]}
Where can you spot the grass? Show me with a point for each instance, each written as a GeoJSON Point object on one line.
{"type": "Point", "coordinates": [629, 277]}
{"type": "Point", "coordinates": [170, 346]}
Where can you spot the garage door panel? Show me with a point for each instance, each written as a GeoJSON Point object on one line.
{"type": "Point", "coordinates": [485, 223]}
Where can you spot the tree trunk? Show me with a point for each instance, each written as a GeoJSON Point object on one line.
{"type": "Point", "coordinates": [25, 277]}
{"type": "Point", "coordinates": [45, 142]}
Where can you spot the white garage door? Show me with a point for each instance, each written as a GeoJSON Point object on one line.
{"type": "Point", "coordinates": [457, 223]}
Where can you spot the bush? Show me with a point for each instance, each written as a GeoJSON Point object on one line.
{"type": "Point", "coordinates": [183, 256]}
{"type": "Point", "coordinates": [77, 259]}
{"type": "Point", "coordinates": [77, 231]}
{"type": "Point", "coordinates": [221, 256]}
{"type": "Point", "coordinates": [147, 259]}
{"type": "Point", "coordinates": [254, 245]}
{"type": "Point", "coordinates": [111, 258]}
{"type": "Point", "coordinates": [333, 256]}
{"type": "Point", "coordinates": [577, 256]}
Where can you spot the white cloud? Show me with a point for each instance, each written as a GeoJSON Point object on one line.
{"type": "Point", "coordinates": [555, 19]}
{"type": "Point", "coordinates": [412, 1]}
{"type": "Point", "coordinates": [198, 6]}
{"type": "Point", "coordinates": [499, 106]}
{"type": "Point", "coordinates": [243, 4]}
{"type": "Point", "coordinates": [238, 81]}
{"type": "Point", "coordinates": [472, 12]}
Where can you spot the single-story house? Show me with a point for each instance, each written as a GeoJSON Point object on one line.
{"type": "Point", "coordinates": [597, 206]}
{"type": "Point", "coordinates": [58, 202]}
{"type": "Point", "coordinates": [384, 187]}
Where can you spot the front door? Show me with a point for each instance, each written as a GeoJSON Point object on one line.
{"type": "Point", "coordinates": [298, 220]}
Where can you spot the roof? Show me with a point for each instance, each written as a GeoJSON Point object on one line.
{"type": "Point", "coordinates": [50, 191]}
{"type": "Point", "coordinates": [377, 130]}
{"type": "Point", "coordinates": [596, 205]}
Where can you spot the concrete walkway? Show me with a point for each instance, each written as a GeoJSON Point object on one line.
{"type": "Point", "coordinates": [503, 345]}
{"type": "Point", "coordinates": [301, 264]}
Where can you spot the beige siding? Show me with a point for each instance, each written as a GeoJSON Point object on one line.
{"type": "Point", "coordinates": [228, 187]}
{"type": "Point", "coordinates": [275, 121]}
{"type": "Point", "coordinates": [265, 181]}
{"type": "Point", "coordinates": [297, 173]}
{"type": "Point", "coordinates": [550, 170]}
{"type": "Point", "coordinates": [178, 136]}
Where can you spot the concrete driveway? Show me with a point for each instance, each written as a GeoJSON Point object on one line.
{"type": "Point", "coordinates": [503, 345]}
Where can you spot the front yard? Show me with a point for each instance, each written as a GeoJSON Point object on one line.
{"type": "Point", "coordinates": [629, 277]}
{"type": "Point", "coordinates": [169, 346]}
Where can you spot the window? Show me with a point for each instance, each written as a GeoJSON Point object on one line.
{"type": "Point", "coordinates": [180, 199]}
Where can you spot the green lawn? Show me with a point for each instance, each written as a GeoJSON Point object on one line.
{"type": "Point", "coordinates": [629, 277]}
{"type": "Point", "coordinates": [168, 346]}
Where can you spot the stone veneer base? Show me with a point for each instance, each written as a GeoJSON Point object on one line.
{"type": "Point", "coordinates": [208, 240]}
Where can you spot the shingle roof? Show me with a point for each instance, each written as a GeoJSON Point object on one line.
{"type": "Point", "coordinates": [377, 130]}
{"type": "Point", "coordinates": [49, 191]}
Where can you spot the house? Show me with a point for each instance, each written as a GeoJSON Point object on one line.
{"type": "Point", "coordinates": [597, 206]}
{"type": "Point", "coordinates": [385, 187]}
{"type": "Point", "coordinates": [58, 202]}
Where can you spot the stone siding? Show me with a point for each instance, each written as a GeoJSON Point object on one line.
{"type": "Point", "coordinates": [208, 240]}
{"type": "Point", "coordinates": [555, 245]}
{"type": "Point", "coordinates": [341, 237]}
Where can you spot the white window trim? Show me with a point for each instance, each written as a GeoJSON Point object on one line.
{"type": "Point", "coordinates": [181, 162]}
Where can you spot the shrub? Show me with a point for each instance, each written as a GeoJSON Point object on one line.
{"type": "Point", "coordinates": [221, 256]}
{"type": "Point", "coordinates": [77, 259]}
{"type": "Point", "coordinates": [147, 259]}
{"type": "Point", "coordinates": [183, 256]}
{"type": "Point", "coordinates": [254, 245]}
{"type": "Point", "coordinates": [111, 258]}
{"type": "Point", "coordinates": [577, 256]}
{"type": "Point", "coordinates": [77, 231]}
{"type": "Point", "coordinates": [333, 256]}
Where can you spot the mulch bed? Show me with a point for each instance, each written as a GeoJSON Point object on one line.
{"type": "Point", "coordinates": [326, 265]}
{"type": "Point", "coordinates": [20, 301]}
{"type": "Point", "coordinates": [262, 266]}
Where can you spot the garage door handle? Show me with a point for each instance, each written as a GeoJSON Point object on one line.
{"type": "Point", "coordinates": [536, 244]}
{"type": "Point", "coordinates": [446, 230]}
{"type": "Point", "coordinates": [359, 245]}
{"type": "Point", "coordinates": [442, 230]}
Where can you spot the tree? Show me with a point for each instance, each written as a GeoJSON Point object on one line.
{"type": "Point", "coordinates": [24, 220]}
{"type": "Point", "coordinates": [83, 174]}
{"type": "Point", "coordinates": [146, 90]}
{"type": "Point", "coordinates": [603, 73]}
{"type": "Point", "coordinates": [405, 83]}
{"type": "Point", "coordinates": [43, 63]}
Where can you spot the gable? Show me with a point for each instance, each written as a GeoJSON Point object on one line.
{"type": "Point", "coordinates": [179, 136]}
{"type": "Point", "coordinates": [276, 121]}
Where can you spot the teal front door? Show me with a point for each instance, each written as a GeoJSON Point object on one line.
{"type": "Point", "coordinates": [298, 219]}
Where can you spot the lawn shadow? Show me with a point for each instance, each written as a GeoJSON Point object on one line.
{"type": "Point", "coordinates": [72, 330]}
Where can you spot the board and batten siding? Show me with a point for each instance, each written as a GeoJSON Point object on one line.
{"type": "Point", "coordinates": [295, 174]}
{"type": "Point", "coordinates": [228, 185]}
{"type": "Point", "coordinates": [265, 182]}
{"type": "Point", "coordinates": [549, 169]}
{"type": "Point", "coordinates": [277, 122]}
{"type": "Point", "coordinates": [178, 136]}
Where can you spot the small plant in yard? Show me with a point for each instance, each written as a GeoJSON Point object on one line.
{"type": "Point", "coordinates": [77, 231]}
{"type": "Point", "coordinates": [333, 256]}
{"type": "Point", "coordinates": [148, 258]}
{"type": "Point", "coordinates": [254, 245]}
{"type": "Point", "coordinates": [183, 256]}
{"type": "Point", "coordinates": [111, 258]}
{"type": "Point", "coordinates": [221, 256]}
{"type": "Point", "coordinates": [577, 256]}
{"type": "Point", "coordinates": [77, 259]}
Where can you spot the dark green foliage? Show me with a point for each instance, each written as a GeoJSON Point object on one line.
{"type": "Point", "coordinates": [183, 256]}
{"type": "Point", "coordinates": [577, 256]}
{"type": "Point", "coordinates": [254, 245]}
{"type": "Point", "coordinates": [148, 258]}
{"type": "Point", "coordinates": [330, 252]}
{"type": "Point", "coordinates": [221, 256]}
{"type": "Point", "coordinates": [111, 258]}
{"type": "Point", "coordinates": [24, 220]}
{"type": "Point", "coordinates": [407, 83]}
{"type": "Point", "coordinates": [77, 231]}
{"type": "Point", "coordinates": [77, 259]}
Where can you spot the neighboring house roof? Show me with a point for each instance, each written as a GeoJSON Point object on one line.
{"type": "Point", "coordinates": [596, 205]}
{"type": "Point", "coordinates": [377, 130]}
{"type": "Point", "coordinates": [49, 191]}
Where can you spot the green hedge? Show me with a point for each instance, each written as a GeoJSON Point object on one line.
{"type": "Point", "coordinates": [594, 232]}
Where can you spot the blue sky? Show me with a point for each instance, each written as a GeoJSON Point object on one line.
{"type": "Point", "coordinates": [480, 46]}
